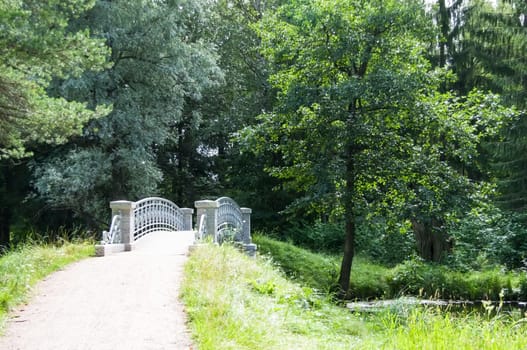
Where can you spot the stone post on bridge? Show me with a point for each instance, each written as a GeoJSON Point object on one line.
{"type": "Point", "coordinates": [248, 246]}
{"type": "Point", "coordinates": [187, 218]}
{"type": "Point", "coordinates": [246, 230]}
{"type": "Point", "coordinates": [126, 210]}
{"type": "Point", "coordinates": [210, 210]}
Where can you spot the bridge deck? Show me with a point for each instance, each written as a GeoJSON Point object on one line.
{"type": "Point", "coordinates": [127, 300]}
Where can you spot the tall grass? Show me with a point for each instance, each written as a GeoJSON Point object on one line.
{"type": "Point", "coordinates": [235, 302]}
{"type": "Point", "coordinates": [430, 329]}
{"type": "Point", "coordinates": [22, 268]}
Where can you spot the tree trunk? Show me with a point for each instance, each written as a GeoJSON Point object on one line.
{"type": "Point", "coordinates": [349, 213]}
{"type": "Point", "coordinates": [432, 243]}
{"type": "Point", "coordinates": [347, 259]}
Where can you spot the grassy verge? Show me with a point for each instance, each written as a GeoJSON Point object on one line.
{"type": "Point", "coordinates": [234, 302]}
{"type": "Point", "coordinates": [22, 268]}
{"type": "Point", "coordinates": [431, 329]}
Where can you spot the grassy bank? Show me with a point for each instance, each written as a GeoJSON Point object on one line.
{"type": "Point", "coordinates": [413, 277]}
{"type": "Point", "coordinates": [234, 302]}
{"type": "Point", "coordinates": [22, 268]}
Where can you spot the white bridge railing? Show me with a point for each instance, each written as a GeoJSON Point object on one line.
{"type": "Point", "coordinates": [222, 220]}
{"type": "Point", "coordinates": [157, 214]}
{"type": "Point", "coordinates": [133, 220]}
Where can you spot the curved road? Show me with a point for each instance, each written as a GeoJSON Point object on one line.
{"type": "Point", "coordinates": [126, 300]}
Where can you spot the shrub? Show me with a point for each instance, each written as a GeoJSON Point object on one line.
{"type": "Point", "coordinates": [488, 236]}
{"type": "Point", "coordinates": [319, 236]}
{"type": "Point", "coordinates": [414, 277]}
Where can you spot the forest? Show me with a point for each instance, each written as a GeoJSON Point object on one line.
{"type": "Point", "coordinates": [387, 129]}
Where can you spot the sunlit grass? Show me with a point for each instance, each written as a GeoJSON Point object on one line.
{"type": "Point", "coordinates": [431, 329]}
{"type": "Point", "coordinates": [23, 267]}
{"type": "Point", "coordinates": [235, 302]}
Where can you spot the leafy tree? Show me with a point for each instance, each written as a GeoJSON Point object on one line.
{"type": "Point", "coordinates": [160, 65]}
{"type": "Point", "coordinates": [209, 156]}
{"type": "Point", "coordinates": [358, 120]}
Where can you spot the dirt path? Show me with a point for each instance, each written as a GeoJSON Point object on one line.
{"type": "Point", "coordinates": [124, 301]}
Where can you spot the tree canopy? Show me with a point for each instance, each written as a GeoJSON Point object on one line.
{"type": "Point", "coordinates": [37, 45]}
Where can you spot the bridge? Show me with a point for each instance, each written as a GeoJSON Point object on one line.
{"type": "Point", "coordinates": [221, 220]}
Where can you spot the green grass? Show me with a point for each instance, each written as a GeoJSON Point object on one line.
{"type": "Point", "coordinates": [235, 302]}
{"type": "Point", "coordinates": [320, 271]}
{"type": "Point", "coordinates": [413, 277]}
{"type": "Point", "coordinates": [23, 267]}
{"type": "Point", "coordinates": [430, 329]}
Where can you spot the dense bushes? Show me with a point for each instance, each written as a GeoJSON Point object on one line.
{"type": "Point", "coordinates": [375, 241]}
{"type": "Point", "coordinates": [487, 236]}
{"type": "Point", "coordinates": [484, 237]}
{"type": "Point", "coordinates": [415, 277]}
{"type": "Point", "coordinates": [318, 236]}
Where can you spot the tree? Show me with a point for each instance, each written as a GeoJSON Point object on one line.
{"type": "Point", "coordinates": [495, 42]}
{"type": "Point", "coordinates": [358, 118]}
{"type": "Point", "coordinates": [37, 45]}
{"type": "Point", "coordinates": [160, 65]}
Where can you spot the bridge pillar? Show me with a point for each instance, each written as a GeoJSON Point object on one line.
{"type": "Point", "coordinates": [246, 230]}
{"type": "Point", "coordinates": [187, 218]}
{"type": "Point", "coordinates": [126, 210]}
{"type": "Point", "coordinates": [210, 210]}
{"type": "Point", "coordinates": [248, 246]}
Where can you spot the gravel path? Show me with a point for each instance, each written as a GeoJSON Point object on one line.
{"type": "Point", "coordinates": [123, 301]}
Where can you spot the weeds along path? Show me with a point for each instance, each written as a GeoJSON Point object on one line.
{"type": "Point", "coordinates": [123, 301]}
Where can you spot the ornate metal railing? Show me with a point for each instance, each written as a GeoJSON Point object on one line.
{"type": "Point", "coordinates": [229, 224]}
{"type": "Point", "coordinates": [202, 227]}
{"type": "Point", "coordinates": [115, 231]}
{"type": "Point", "coordinates": [156, 214]}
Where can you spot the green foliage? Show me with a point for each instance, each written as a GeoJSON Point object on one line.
{"type": "Point", "coordinates": [22, 268]}
{"type": "Point", "coordinates": [414, 277]}
{"type": "Point", "coordinates": [488, 236]}
{"type": "Point", "coordinates": [320, 236]}
{"type": "Point", "coordinates": [385, 244]}
{"type": "Point", "coordinates": [161, 66]}
{"type": "Point", "coordinates": [37, 45]}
